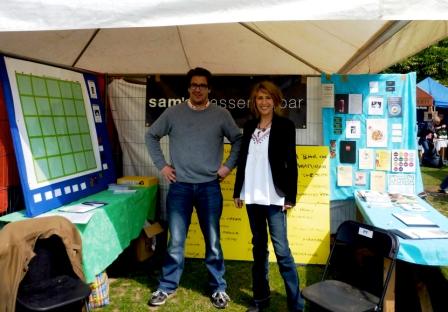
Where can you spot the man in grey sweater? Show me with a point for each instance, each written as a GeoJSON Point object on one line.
{"type": "Point", "coordinates": [196, 131]}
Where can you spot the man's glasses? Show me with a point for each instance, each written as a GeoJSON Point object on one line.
{"type": "Point", "coordinates": [201, 86]}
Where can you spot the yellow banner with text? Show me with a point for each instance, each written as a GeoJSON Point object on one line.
{"type": "Point", "coordinates": [308, 221]}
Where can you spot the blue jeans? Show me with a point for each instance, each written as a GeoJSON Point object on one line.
{"type": "Point", "coordinates": [261, 217]}
{"type": "Point", "coordinates": [207, 199]}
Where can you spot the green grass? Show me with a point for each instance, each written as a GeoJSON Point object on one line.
{"type": "Point", "coordinates": [132, 283]}
{"type": "Point", "coordinates": [130, 287]}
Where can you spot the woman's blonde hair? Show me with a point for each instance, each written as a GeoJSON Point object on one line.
{"type": "Point", "coordinates": [436, 119]}
{"type": "Point", "coordinates": [272, 90]}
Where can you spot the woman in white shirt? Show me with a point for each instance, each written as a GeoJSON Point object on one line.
{"type": "Point", "coordinates": [266, 180]}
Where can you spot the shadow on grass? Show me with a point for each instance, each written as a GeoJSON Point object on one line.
{"type": "Point", "coordinates": [133, 282]}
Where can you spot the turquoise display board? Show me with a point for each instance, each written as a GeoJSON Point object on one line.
{"type": "Point", "coordinates": [371, 132]}
{"type": "Point", "coordinates": [58, 131]}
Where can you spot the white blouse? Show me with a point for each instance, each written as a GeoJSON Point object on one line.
{"type": "Point", "coordinates": [258, 187]}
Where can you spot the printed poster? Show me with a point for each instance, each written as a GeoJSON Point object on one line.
{"type": "Point", "coordinates": [353, 129]}
{"type": "Point", "coordinates": [400, 183]}
{"type": "Point", "coordinates": [345, 175]}
{"type": "Point", "coordinates": [366, 158]}
{"type": "Point", "coordinates": [374, 86]}
{"type": "Point", "coordinates": [327, 94]}
{"type": "Point", "coordinates": [404, 161]}
{"type": "Point", "coordinates": [382, 160]}
{"type": "Point", "coordinates": [360, 178]}
{"type": "Point", "coordinates": [376, 132]}
{"type": "Point", "coordinates": [355, 103]}
{"type": "Point", "coordinates": [378, 181]}
{"type": "Point", "coordinates": [376, 105]}
{"type": "Point", "coordinates": [341, 104]}
{"type": "Point", "coordinates": [394, 106]}
{"type": "Point", "coordinates": [397, 132]}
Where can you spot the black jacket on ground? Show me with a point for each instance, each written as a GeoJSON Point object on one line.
{"type": "Point", "coordinates": [281, 154]}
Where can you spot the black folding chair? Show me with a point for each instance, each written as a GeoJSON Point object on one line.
{"type": "Point", "coordinates": [50, 283]}
{"type": "Point", "coordinates": [355, 277]}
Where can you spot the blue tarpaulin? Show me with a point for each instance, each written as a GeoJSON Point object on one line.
{"type": "Point", "coordinates": [438, 91]}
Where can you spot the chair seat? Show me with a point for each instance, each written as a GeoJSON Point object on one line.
{"type": "Point", "coordinates": [338, 296]}
{"type": "Point", "coordinates": [52, 293]}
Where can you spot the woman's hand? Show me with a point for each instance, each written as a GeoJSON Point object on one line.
{"type": "Point", "coordinates": [287, 206]}
{"type": "Point", "coordinates": [238, 202]}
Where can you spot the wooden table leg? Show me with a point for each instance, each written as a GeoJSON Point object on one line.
{"type": "Point", "coordinates": [389, 300]}
{"type": "Point", "coordinates": [424, 298]}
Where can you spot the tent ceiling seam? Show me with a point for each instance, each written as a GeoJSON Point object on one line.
{"type": "Point", "coordinates": [95, 33]}
{"type": "Point", "coordinates": [183, 46]}
{"type": "Point", "coordinates": [384, 34]}
{"type": "Point", "coordinates": [279, 46]}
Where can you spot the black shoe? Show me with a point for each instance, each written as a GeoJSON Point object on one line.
{"type": "Point", "coordinates": [158, 298]}
{"type": "Point", "coordinates": [220, 299]}
{"type": "Point", "coordinates": [254, 308]}
{"type": "Point", "coordinates": [259, 305]}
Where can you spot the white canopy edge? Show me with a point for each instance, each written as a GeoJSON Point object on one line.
{"type": "Point", "coordinates": [26, 15]}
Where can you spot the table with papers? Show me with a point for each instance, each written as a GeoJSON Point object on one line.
{"type": "Point", "coordinates": [419, 256]}
{"type": "Point", "coordinates": [418, 251]}
{"type": "Point", "coordinates": [107, 230]}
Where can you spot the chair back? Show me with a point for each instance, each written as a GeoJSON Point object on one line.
{"type": "Point", "coordinates": [358, 258]}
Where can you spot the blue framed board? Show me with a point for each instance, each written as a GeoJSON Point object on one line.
{"type": "Point", "coordinates": [59, 133]}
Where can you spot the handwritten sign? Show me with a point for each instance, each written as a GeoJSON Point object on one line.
{"type": "Point", "coordinates": [308, 222]}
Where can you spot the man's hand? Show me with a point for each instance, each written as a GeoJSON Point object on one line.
{"type": "Point", "coordinates": [238, 202]}
{"type": "Point", "coordinates": [223, 172]}
{"type": "Point", "coordinates": [169, 173]}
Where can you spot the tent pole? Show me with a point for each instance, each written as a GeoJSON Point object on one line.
{"type": "Point", "coordinates": [183, 46]}
{"type": "Point", "coordinates": [384, 34]}
{"type": "Point", "coordinates": [276, 44]}
{"type": "Point", "coordinates": [86, 46]}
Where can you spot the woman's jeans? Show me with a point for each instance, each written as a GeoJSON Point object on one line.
{"type": "Point", "coordinates": [260, 218]}
{"type": "Point", "coordinates": [207, 199]}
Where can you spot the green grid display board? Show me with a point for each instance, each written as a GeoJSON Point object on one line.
{"type": "Point", "coordinates": [57, 126]}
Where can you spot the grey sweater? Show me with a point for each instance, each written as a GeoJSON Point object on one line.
{"type": "Point", "coordinates": [195, 141]}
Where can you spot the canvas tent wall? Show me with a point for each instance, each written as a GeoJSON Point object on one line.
{"type": "Point", "coordinates": [228, 37]}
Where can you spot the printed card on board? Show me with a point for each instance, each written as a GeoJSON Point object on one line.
{"type": "Point", "coordinates": [376, 105]}
{"type": "Point", "coordinates": [347, 152]}
{"type": "Point", "coordinates": [376, 132]}
{"type": "Point", "coordinates": [341, 103]}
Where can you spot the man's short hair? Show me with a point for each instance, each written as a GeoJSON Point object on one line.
{"type": "Point", "coordinates": [199, 71]}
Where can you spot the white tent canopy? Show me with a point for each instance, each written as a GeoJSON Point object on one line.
{"type": "Point", "coordinates": [226, 36]}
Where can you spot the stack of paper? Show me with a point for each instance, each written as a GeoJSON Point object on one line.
{"type": "Point", "coordinates": [413, 219]}
{"type": "Point", "coordinates": [83, 207]}
{"type": "Point", "coordinates": [421, 233]}
{"type": "Point", "coordinates": [120, 188]}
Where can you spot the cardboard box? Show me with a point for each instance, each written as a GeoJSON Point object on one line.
{"type": "Point", "coordinates": [145, 244]}
{"type": "Point", "coordinates": [138, 180]}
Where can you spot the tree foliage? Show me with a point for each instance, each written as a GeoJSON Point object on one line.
{"type": "Point", "coordinates": [431, 62]}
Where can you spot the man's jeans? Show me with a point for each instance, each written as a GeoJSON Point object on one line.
{"type": "Point", "coordinates": [276, 220]}
{"type": "Point", "coordinates": [207, 199]}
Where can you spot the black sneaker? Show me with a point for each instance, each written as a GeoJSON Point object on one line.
{"type": "Point", "coordinates": [158, 298]}
{"type": "Point", "coordinates": [259, 305]}
{"type": "Point", "coordinates": [220, 299]}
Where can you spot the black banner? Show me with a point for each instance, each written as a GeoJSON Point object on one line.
{"type": "Point", "coordinates": [230, 92]}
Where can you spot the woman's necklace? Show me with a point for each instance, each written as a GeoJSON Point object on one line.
{"type": "Point", "coordinates": [265, 127]}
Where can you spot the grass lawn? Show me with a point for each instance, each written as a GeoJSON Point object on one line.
{"type": "Point", "coordinates": [132, 283]}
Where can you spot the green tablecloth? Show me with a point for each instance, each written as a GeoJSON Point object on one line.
{"type": "Point", "coordinates": [111, 228]}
